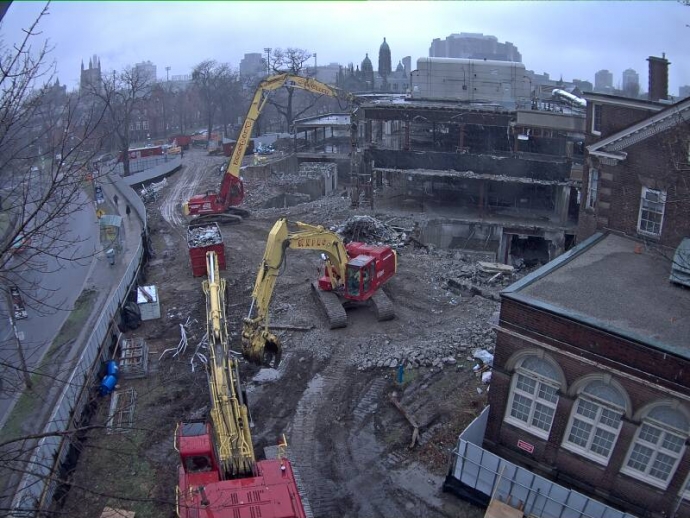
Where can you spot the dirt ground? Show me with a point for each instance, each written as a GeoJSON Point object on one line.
{"type": "Point", "coordinates": [330, 396]}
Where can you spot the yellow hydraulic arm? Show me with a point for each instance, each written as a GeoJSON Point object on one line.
{"type": "Point", "coordinates": [229, 412]}
{"type": "Point", "coordinates": [260, 97]}
{"type": "Point", "coordinates": [259, 345]}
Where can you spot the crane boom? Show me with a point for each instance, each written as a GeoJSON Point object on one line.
{"type": "Point", "coordinates": [231, 188]}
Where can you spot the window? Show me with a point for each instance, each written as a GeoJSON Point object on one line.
{"type": "Point", "coordinates": [138, 125]}
{"type": "Point", "coordinates": [595, 421]}
{"type": "Point", "coordinates": [651, 216]}
{"type": "Point", "coordinates": [533, 396]}
{"type": "Point", "coordinates": [145, 125]}
{"type": "Point", "coordinates": [658, 446]}
{"type": "Point", "coordinates": [592, 188]}
{"type": "Point", "coordinates": [596, 119]}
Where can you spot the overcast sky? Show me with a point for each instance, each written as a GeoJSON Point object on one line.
{"type": "Point", "coordinates": [569, 39]}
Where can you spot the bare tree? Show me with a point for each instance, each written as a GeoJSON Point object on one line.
{"type": "Point", "coordinates": [47, 140]}
{"type": "Point", "coordinates": [291, 61]}
{"type": "Point", "coordinates": [229, 96]}
{"type": "Point", "coordinates": [206, 76]}
{"type": "Point", "coordinates": [121, 94]}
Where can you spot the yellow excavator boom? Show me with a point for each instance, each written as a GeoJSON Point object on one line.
{"type": "Point", "coordinates": [259, 345]}
{"type": "Point", "coordinates": [229, 413]}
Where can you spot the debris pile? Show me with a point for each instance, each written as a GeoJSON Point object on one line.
{"type": "Point", "coordinates": [368, 230]}
{"type": "Point", "coordinates": [204, 235]}
{"type": "Point", "coordinates": [317, 169]}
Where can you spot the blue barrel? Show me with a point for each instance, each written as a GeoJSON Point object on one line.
{"type": "Point", "coordinates": [108, 384]}
{"type": "Point", "coordinates": [112, 368]}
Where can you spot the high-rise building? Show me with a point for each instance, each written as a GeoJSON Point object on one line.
{"type": "Point", "coordinates": [474, 46]}
{"type": "Point", "coordinates": [603, 81]}
{"type": "Point", "coordinates": [684, 91]}
{"type": "Point", "coordinates": [90, 77]}
{"type": "Point", "coordinates": [253, 65]}
{"type": "Point", "coordinates": [146, 70]}
{"type": "Point", "coordinates": [631, 83]}
{"type": "Point", "coordinates": [407, 64]}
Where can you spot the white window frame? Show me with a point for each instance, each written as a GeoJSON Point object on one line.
{"type": "Point", "coordinates": [596, 424]}
{"type": "Point", "coordinates": [643, 198]}
{"type": "Point", "coordinates": [596, 108]}
{"type": "Point", "coordinates": [685, 491]}
{"type": "Point", "coordinates": [592, 189]}
{"type": "Point", "coordinates": [657, 449]}
{"type": "Point", "coordinates": [535, 400]}
{"type": "Point", "coordinates": [145, 125]}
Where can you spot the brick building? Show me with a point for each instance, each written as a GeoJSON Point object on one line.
{"type": "Point", "coordinates": [636, 177]}
{"type": "Point", "coordinates": [591, 377]}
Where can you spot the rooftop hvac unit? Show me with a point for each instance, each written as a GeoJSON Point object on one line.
{"type": "Point", "coordinates": [680, 268]}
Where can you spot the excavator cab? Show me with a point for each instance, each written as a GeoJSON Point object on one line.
{"type": "Point", "coordinates": [359, 277]}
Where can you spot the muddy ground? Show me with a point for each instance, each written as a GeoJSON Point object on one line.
{"type": "Point", "coordinates": [330, 396]}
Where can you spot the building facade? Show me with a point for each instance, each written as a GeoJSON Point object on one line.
{"type": "Point", "coordinates": [146, 70]}
{"type": "Point", "coordinates": [635, 177]}
{"type": "Point", "coordinates": [253, 65]}
{"type": "Point", "coordinates": [631, 83]}
{"type": "Point", "coordinates": [474, 46]}
{"type": "Point", "coordinates": [603, 81]}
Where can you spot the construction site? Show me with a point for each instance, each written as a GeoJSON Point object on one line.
{"type": "Point", "coordinates": [458, 200]}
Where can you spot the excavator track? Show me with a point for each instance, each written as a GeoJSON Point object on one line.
{"type": "Point", "coordinates": [382, 306]}
{"type": "Point", "coordinates": [335, 312]}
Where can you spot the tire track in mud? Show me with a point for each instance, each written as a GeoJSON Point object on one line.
{"type": "Point", "coordinates": [348, 475]}
{"type": "Point", "coordinates": [184, 187]}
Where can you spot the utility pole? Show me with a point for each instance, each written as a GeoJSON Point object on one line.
{"type": "Point", "coordinates": [316, 68]}
{"type": "Point", "coordinates": [18, 340]}
{"type": "Point", "coordinates": [267, 50]}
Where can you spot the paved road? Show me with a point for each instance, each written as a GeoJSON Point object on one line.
{"type": "Point", "coordinates": [57, 284]}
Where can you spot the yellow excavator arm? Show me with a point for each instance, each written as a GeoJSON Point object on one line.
{"type": "Point", "coordinates": [229, 412]}
{"type": "Point", "coordinates": [260, 97]}
{"type": "Point", "coordinates": [259, 345]}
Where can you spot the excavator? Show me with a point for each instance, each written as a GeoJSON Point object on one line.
{"type": "Point", "coordinates": [219, 475]}
{"type": "Point", "coordinates": [353, 274]}
{"type": "Point", "coordinates": [222, 205]}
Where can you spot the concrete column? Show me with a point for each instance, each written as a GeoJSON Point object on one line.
{"type": "Point", "coordinates": [406, 143]}
{"type": "Point", "coordinates": [482, 201]}
{"type": "Point", "coordinates": [504, 243]}
{"type": "Point", "coordinates": [562, 203]}
{"type": "Point", "coordinates": [556, 240]}
{"type": "Point", "coordinates": [461, 137]}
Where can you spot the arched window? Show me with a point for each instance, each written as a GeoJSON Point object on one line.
{"type": "Point", "coordinates": [595, 421]}
{"type": "Point", "coordinates": [658, 446]}
{"type": "Point", "coordinates": [533, 395]}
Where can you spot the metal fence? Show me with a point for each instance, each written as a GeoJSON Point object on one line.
{"type": "Point", "coordinates": [490, 474]}
{"type": "Point", "coordinates": [38, 485]}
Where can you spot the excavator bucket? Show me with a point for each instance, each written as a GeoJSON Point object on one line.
{"type": "Point", "coordinates": [260, 347]}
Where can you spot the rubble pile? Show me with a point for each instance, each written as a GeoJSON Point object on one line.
{"type": "Point", "coordinates": [317, 169]}
{"type": "Point", "coordinates": [445, 349]}
{"type": "Point", "coordinates": [368, 230]}
{"type": "Point", "coordinates": [204, 235]}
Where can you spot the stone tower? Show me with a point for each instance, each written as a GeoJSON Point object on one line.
{"type": "Point", "coordinates": [368, 72]}
{"type": "Point", "coordinates": [385, 67]}
{"type": "Point", "coordinates": [92, 75]}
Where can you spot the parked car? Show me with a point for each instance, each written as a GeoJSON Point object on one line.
{"type": "Point", "coordinates": [18, 303]}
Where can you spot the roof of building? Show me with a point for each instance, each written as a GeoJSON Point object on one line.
{"type": "Point", "coordinates": [674, 115]}
{"type": "Point", "coordinates": [613, 283]}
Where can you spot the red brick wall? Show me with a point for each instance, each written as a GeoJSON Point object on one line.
{"type": "Point", "coordinates": [659, 162]}
{"type": "Point", "coordinates": [643, 373]}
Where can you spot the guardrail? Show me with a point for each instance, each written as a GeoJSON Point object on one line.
{"type": "Point", "coordinates": [38, 485]}
{"type": "Point", "coordinates": [483, 471]}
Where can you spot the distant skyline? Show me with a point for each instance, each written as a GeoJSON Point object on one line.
{"type": "Point", "coordinates": [572, 40]}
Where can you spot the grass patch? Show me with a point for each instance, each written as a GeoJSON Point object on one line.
{"type": "Point", "coordinates": [20, 413]}
{"type": "Point", "coordinates": [75, 322]}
